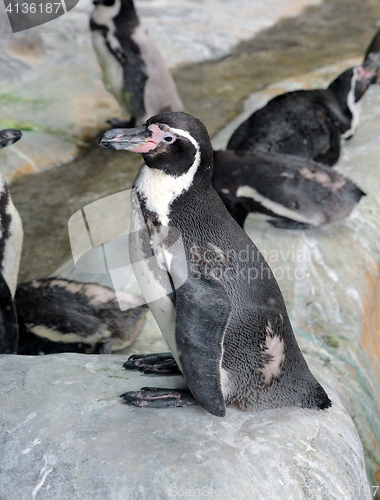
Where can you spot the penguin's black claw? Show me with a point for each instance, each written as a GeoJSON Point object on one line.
{"type": "Point", "coordinates": [156, 397]}
{"type": "Point", "coordinates": [119, 123]}
{"type": "Point", "coordinates": [159, 364]}
{"type": "Point", "coordinates": [289, 224]}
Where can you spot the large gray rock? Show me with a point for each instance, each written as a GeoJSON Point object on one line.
{"type": "Point", "coordinates": [65, 434]}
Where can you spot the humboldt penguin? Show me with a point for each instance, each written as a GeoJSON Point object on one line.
{"type": "Point", "coordinates": [294, 192]}
{"type": "Point", "coordinates": [59, 315]}
{"type": "Point", "coordinates": [209, 288]}
{"type": "Point", "coordinates": [133, 69]}
{"type": "Point", "coordinates": [11, 236]}
{"type": "Point", "coordinates": [310, 123]}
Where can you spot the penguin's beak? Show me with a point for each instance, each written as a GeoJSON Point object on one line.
{"type": "Point", "coordinates": [367, 74]}
{"type": "Point", "coordinates": [138, 140]}
{"type": "Point", "coordinates": [9, 136]}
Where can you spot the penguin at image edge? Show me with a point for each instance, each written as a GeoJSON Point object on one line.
{"type": "Point", "coordinates": [11, 237]}
{"type": "Point", "coordinates": [224, 319]}
{"type": "Point", "coordinates": [132, 67]}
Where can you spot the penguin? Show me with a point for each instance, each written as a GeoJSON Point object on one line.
{"type": "Point", "coordinates": [11, 237]}
{"type": "Point", "coordinates": [133, 69]}
{"type": "Point", "coordinates": [210, 290]}
{"type": "Point", "coordinates": [372, 53]}
{"type": "Point", "coordinates": [294, 192]}
{"type": "Point", "coordinates": [59, 315]}
{"type": "Point", "coordinates": [308, 123]}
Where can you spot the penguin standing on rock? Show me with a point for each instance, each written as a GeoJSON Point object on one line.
{"type": "Point", "coordinates": [309, 123]}
{"type": "Point", "coordinates": [133, 69]}
{"type": "Point", "coordinates": [294, 192]}
{"type": "Point", "coordinates": [210, 290]}
{"type": "Point", "coordinates": [11, 236]}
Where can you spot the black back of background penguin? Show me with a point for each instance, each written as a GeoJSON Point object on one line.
{"type": "Point", "coordinates": [133, 69]}
{"type": "Point", "coordinates": [294, 192]}
{"type": "Point", "coordinates": [308, 123]}
{"type": "Point", "coordinates": [225, 322]}
{"type": "Point", "coordinates": [59, 315]}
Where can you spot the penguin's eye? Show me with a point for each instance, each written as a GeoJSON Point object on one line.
{"type": "Point", "coordinates": [168, 138]}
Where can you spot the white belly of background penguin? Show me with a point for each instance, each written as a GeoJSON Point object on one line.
{"type": "Point", "coordinates": [11, 236]}
{"type": "Point", "coordinates": [133, 69]}
{"type": "Point", "coordinates": [229, 329]}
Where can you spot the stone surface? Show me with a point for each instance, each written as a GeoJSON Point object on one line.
{"type": "Point", "coordinates": [66, 434]}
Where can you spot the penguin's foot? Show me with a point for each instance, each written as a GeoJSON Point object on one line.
{"type": "Point", "coordinates": [119, 123]}
{"type": "Point", "coordinates": [160, 364]}
{"type": "Point", "coordinates": [156, 397]}
{"type": "Point", "coordinates": [289, 224]}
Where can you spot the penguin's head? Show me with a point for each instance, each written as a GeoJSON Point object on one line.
{"type": "Point", "coordinates": [373, 49]}
{"type": "Point", "coordinates": [355, 81]}
{"type": "Point", "coordinates": [8, 137]}
{"type": "Point", "coordinates": [171, 142]}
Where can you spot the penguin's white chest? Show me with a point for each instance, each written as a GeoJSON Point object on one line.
{"type": "Point", "coordinates": [112, 70]}
{"type": "Point", "coordinates": [12, 247]}
{"type": "Point", "coordinates": [152, 276]}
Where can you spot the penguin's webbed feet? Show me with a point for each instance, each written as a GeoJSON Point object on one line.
{"type": "Point", "coordinates": [158, 364]}
{"type": "Point", "coordinates": [156, 397]}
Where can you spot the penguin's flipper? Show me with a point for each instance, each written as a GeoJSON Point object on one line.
{"type": "Point", "coordinates": [155, 397]}
{"type": "Point", "coordinates": [203, 311]}
{"type": "Point", "coordinates": [289, 224]}
{"type": "Point", "coordinates": [8, 320]}
{"type": "Point", "coordinates": [160, 364]}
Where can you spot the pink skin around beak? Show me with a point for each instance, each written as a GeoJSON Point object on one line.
{"type": "Point", "coordinates": [139, 140]}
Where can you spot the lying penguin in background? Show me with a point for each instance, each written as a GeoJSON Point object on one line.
{"type": "Point", "coordinates": [309, 123]}
{"type": "Point", "coordinates": [59, 315]}
{"type": "Point", "coordinates": [133, 69]}
{"type": "Point", "coordinates": [56, 315]}
{"type": "Point", "coordinates": [224, 319]}
{"type": "Point", "coordinates": [296, 193]}
{"type": "Point", "coordinates": [11, 236]}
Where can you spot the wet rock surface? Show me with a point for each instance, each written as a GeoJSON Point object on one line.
{"type": "Point", "coordinates": [66, 433]}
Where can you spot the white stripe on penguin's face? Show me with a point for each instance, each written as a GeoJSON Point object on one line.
{"type": "Point", "coordinates": [353, 106]}
{"type": "Point", "coordinates": [160, 189]}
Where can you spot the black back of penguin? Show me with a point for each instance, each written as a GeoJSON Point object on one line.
{"type": "Point", "coordinates": [233, 337]}
{"type": "Point", "coordinates": [293, 192]}
{"type": "Point", "coordinates": [305, 123]}
{"type": "Point", "coordinates": [59, 315]}
{"type": "Point", "coordinates": [308, 123]}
